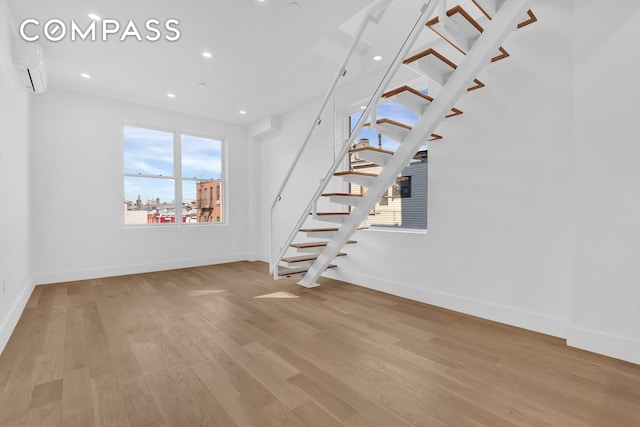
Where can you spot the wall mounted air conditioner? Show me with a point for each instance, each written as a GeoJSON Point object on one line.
{"type": "Point", "coordinates": [29, 63]}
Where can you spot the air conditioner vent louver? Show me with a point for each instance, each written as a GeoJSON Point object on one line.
{"type": "Point", "coordinates": [29, 63]}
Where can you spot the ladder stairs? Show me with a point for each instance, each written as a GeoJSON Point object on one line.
{"type": "Point", "coordinates": [480, 46]}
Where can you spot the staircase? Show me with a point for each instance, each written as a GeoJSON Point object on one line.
{"type": "Point", "coordinates": [480, 46]}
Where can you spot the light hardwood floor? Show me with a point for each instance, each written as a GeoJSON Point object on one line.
{"type": "Point", "coordinates": [195, 347]}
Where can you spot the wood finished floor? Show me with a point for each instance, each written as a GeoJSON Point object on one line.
{"type": "Point", "coordinates": [194, 347]}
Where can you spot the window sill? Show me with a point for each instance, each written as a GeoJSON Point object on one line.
{"type": "Point", "coordinates": [174, 225]}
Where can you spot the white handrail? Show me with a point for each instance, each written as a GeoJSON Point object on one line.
{"type": "Point", "coordinates": [341, 73]}
{"type": "Point", "coordinates": [426, 12]}
{"type": "Point", "coordinates": [372, 15]}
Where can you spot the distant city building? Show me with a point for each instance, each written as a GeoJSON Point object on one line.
{"type": "Point", "coordinates": [207, 207]}
{"type": "Point", "coordinates": [209, 201]}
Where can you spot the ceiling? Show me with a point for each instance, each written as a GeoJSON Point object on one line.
{"type": "Point", "coordinates": [268, 57]}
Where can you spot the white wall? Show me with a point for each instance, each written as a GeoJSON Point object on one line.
{"type": "Point", "coordinates": [15, 263]}
{"type": "Point", "coordinates": [606, 291]}
{"type": "Point", "coordinates": [498, 242]}
{"type": "Point", "coordinates": [510, 197]}
{"type": "Point", "coordinates": [77, 193]}
{"type": "Point", "coordinates": [276, 153]}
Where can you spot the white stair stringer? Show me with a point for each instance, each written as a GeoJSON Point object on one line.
{"type": "Point", "coordinates": [504, 22]}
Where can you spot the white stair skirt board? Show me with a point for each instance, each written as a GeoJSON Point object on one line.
{"type": "Point", "coordinates": [455, 80]}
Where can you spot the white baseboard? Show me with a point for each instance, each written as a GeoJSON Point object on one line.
{"type": "Point", "coordinates": [537, 322]}
{"type": "Point", "coordinates": [257, 257]}
{"type": "Point", "coordinates": [70, 276]}
{"type": "Point", "coordinates": [601, 343]}
{"type": "Point", "coordinates": [10, 320]}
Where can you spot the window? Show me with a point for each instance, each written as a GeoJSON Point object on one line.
{"type": "Point", "coordinates": [404, 203]}
{"type": "Point", "coordinates": [403, 186]}
{"type": "Point", "coordinates": [162, 167]}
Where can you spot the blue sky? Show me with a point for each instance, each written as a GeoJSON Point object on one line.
{"type": "Point", "coordinates": [150, 152]}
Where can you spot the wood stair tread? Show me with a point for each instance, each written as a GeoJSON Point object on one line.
{"type": "Point", "coordinates": [343, 194]}
{"type": "Point", "coordinates": [531, 17]}
{"type": "Point", "coordinates": [406, 88]}
{"type": "Point", "coordinates": [374, 149]}
{"type": "Point", "coordinates": [531, 20]}
{"type": "Point", "coordinates": [425, 97]}
{"type": "Point", "coordinates": [289, 271]}
{"type": "Point", "coordinates": [373, 175]}
{"type": "Point", "coordinates": [390, 122]}
{"type": "Point", "coordinates": [316, 244]}
{"type": "Point", "coordinates": [434, 136]}
{"type": "Point", "coordinates": [329, 213]}
{"type": "Point", "coordinates": [432, 52]}
{"type": "Point", "coordinates": [303, 258]}
{"type": "Point", "coordinates": [460, 10]}
{"type": "Point", "coordinates": [317, 230]}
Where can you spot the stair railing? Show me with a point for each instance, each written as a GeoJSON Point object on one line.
{"type": "Point", "coordinates": [373, 15]}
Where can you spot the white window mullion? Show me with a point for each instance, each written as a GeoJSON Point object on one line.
{"type": "Point", "coordinates": [177, 173]}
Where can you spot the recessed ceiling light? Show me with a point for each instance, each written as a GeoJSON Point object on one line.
{"type": "Point", "coordinates": [85, 76]}
{"type": "Point", "coordinates": [207, 54]}
{"type": "Point", "coordinates": [94, 17]}
{"type": "Point", "coordinates": [363, 107]}
{"type": "Point", "coordinates": [377, 58]}
{"type": "Point", "coordinates": [171, 95]}
{"type": "Point", "coordinates": [202, 84]}
{"type": "Point", "coordinates": [243, 112]}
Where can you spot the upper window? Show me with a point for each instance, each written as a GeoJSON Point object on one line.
{"type": "Point", "coordinates": [162, 167]}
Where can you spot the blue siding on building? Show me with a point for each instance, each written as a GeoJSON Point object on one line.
{"type": "Point", "coordinates": [414, 208]}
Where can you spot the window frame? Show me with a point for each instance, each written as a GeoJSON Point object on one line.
{"type": "Point", "coordinates": [177, 177]}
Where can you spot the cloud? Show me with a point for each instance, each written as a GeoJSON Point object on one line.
{"type": "Point", "coordinates": [148, 169]}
